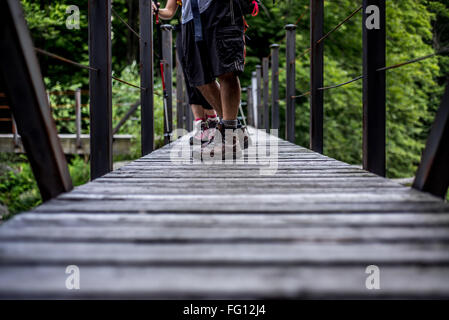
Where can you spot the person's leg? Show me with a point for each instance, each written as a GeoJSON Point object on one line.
{"type": "Point", "coordinates": [230, 96]}
{"type": "Point", "coordinates": [210, 113]}
{"type": "Point", "coordinates": [198, 112]}
{"type": "Point", "coordinates": [199, 125]}
{"type": "Point", "coordinates": [211, 92]}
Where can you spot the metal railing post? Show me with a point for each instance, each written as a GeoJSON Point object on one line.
{"type": "Point", "coordinates": [249, 107]}
{"type": "Point", "coordinates": [266, 93]}
{"type": "Point", "coordinates": [259, 97]}
{"type": "Point", "coordinates": [316, 75]}
{"type": "Point", "coordinates": [78, 117]}
{"type": "Point", "coordinates": [100, 88]}
{"type": "Point", "coordinates": [146, 77]}
{"type": "Point", "coordinates": [275, 86]}
{"type": "Point", "coordinates": [187, 112]}
{"type": "Point", "coordinates": [374, 88]}
{"type": "Point", "coordinates": [290, 87]}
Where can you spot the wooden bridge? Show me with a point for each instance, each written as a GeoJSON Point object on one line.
{"type": "Point", "coordinates": [166, 226]}
{"type": "Point", "coordinates": [161, 229]}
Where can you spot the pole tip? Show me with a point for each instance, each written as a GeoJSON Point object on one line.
{"type": "Point", "coordinates": [290, 27]}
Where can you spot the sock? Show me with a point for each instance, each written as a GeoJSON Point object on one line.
{"type": "Point", "coordinates": [230, 124]}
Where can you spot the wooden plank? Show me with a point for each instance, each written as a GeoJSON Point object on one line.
{"type": "Point", "coordinates": [223, 254]}
{"type": "Point", "coordinates": [232, 220]}
{"type": "Point", "coordinates": [216, 234]}
{"type": "Point", "coordinates": [196, 205]}
{"type": "Point", "coordinates": [212, 282]}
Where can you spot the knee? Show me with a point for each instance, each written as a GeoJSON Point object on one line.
{"type": "Point", "coordinates": [206, 87]}
{"type": "Point", "coordinates": [227, 77]}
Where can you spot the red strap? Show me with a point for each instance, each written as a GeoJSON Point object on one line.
{"type": "Point", "coordinates": [245, 25]}
{"type": "Point", "coordinates": [256, 8]}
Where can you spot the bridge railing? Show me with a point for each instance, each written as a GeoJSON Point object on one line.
{"type": "Point", "coordinates": [433, 172]}
{"type": "Point", "coordinates": [27, 97]}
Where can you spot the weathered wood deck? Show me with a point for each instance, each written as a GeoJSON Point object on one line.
{"type": "Point", "coordinates": [162, 229]}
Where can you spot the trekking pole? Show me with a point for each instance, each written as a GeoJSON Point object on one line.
{"type": "Point", "coordinates": [161, 65]}
{"type": "Point", "coordinates": [242, 114]}
{"type": "Point", "coordinates": [165, 93]}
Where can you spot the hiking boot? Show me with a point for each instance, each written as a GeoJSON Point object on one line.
{"type": "Point", "coordinates": [225, 145]}
{"type": "Point", "coordinates": [246, 141]}
{"type": "Point", "coordinates": [199, 134]}
{"type": "Point", "coordinates": [212, 124]}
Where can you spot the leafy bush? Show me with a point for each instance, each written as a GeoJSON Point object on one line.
{"type": "Point", "coordinates": [79, 171]}
{"type": "Point", "coordinates": [18, 188]}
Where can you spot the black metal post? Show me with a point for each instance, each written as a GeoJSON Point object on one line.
{"type": "Point", "coordinates": [179, 93]}
{"type": "Point", "coordinates": [275, 86]}
{"type": "Point", "coordinates": [25, 90]}
{"type": "Point", "coordinates": [259, 96]}
{"type": "Point", "coordinates": [146, 77]}
{"type": "Point", "coordinates": [254, 97]}
{"type": "Point", "coordinates": [100, 88]}
{"type": "Point", "coordinates": [167, 56]}
{"type": "Point", "coordinates": [290, 88]}
{"type": "Point", "coordinates": [266, 93]}
{"type": "Point", "coordinates": [249, 94]}
{"type": "Point", "coordinates": [374, 86]}
{"type": "Point", "coordinates": [78, 117]}
{"type": "Point", "coordinates": [316, 75]}
{"type": "Point", "coordinates": [433, 172]}
{"type": "Point", "coordinates": [187, 112]}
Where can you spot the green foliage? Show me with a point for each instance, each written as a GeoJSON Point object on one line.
{"type": "Point", "coordinates": [413, 92]}
{"type": "Point", "coordinates": [18, 188]}
{"type": "Point", "coordinates": [79, 171]}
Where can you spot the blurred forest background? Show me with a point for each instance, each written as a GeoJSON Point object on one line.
{"type": "Point", "coordinates": [414, 28]}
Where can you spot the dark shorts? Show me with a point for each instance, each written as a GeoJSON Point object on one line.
{"type": "Point", "coordinates": [222, 48]}
{"type": "Point", "coordinates": [195, 96]}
